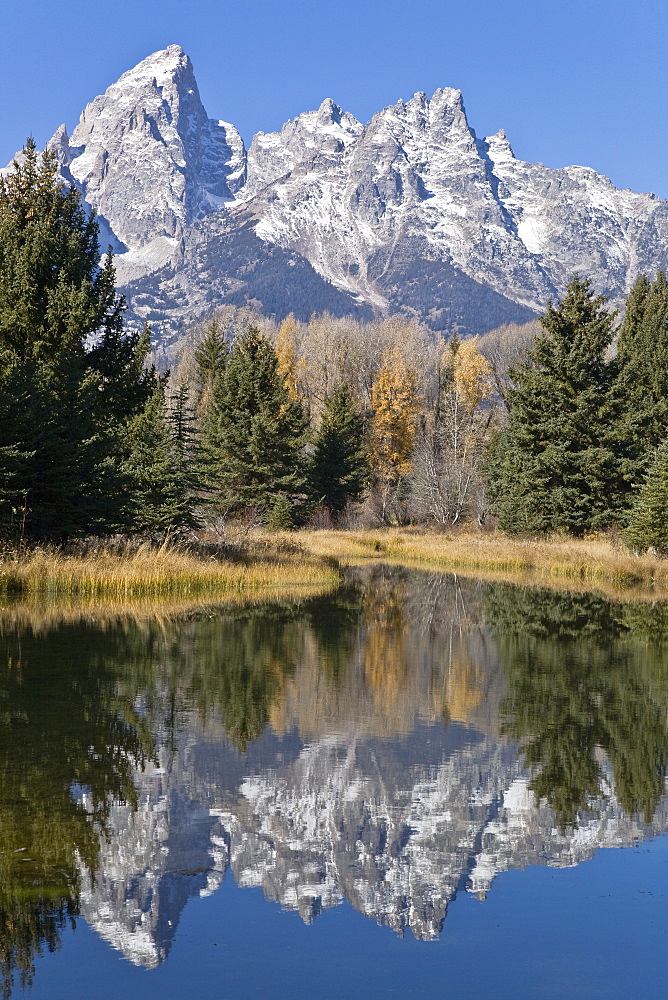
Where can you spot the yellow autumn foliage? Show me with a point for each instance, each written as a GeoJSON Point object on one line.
{"type": "Point", "coordinates": [472, 374]}
{"type": "Point", "coordinates": [395, 405]}
{"type": "Point", "coordinates": [286, 353]}
{"type": "Point", "coordinates": [386, 658]}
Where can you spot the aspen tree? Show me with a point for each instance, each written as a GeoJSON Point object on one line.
{"type": "Point", "coordinates": [395, 405]}
{"type": "Point", "coordinates": [447, 482]}
{"type": "Point", "coordinates": [286, 356]}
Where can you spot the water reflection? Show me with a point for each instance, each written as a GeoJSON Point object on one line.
{"type": "Point", "coordinates": [393, 744]}
{"type": "Point", "coordinates": [587, 697]}
{"type": "Point", "coordinates": [66, 727]}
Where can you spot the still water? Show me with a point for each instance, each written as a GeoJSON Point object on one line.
{"type": "Point", "coordinates": [416, 785]}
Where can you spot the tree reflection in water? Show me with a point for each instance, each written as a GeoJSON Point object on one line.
{"type": "Point", "coordinates": [85, 705]}
{"type": "Point", "coordinates": [584, 675]}
{"type": "Point", "coordinates": [63, 724]}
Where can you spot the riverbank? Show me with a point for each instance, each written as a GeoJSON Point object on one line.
{"type": "Point", "coordinates": [264, 564]}
{"type": "Point", "coordinates": [594, 562]}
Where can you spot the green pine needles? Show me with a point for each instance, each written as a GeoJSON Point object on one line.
{"type": "Point", "coordinates": [642, 362]}
{"type": "Point", "coordinates": [64, 405]}
{"type": "Point", "coordinates": [648, 520]}
{"type": "Point", "coordinates": [254, 435]}
{"type": "Point", "coordinates": [557, 466]}
{"type": "Point", "coordinates": [339, 469]}
{"type": "Point", "coordinates": [162, 464]}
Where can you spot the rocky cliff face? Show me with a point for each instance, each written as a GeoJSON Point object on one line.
{"type": "Point", "coordinates": [149, 160]}
{"type": "Point", "coordinates": [410, 211]}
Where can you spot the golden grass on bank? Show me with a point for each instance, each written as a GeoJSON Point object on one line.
{"type": "Point", "coordinates": [268, 567]}
{"type": "Point", "coordinates": [589, 562]}
{"type": "Point", "coordinates": [162, 572]}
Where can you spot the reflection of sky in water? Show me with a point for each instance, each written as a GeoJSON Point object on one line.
{"type": "Point", "coordinates": [380, 778]}
{"type": "Point", "coordinates": [597, 930]}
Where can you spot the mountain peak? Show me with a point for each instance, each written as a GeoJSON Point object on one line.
{"type": "Point", "coordinates": [163, 64]}
{"type": "Point", "coordinates": [148, 159]}
{"type": "Point", "coordinates": [408, 211]}
{"type": "Point", "coordinates": [499, 145]}
{"type": "Point", "coordinates": [329, 106]}
{"type": "Point", "coordinates": [448, 95]}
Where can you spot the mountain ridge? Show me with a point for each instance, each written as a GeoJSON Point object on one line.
{"type": "Point", "coordinates": [410, 212]}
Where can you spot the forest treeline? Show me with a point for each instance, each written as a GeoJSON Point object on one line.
{"type": "Point", "coordinates": [556, 426]}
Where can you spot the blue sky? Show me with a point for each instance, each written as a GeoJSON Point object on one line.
{"type": "Point", "coordinates": [571, 81]}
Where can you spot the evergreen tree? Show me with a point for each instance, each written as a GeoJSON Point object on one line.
{"type": "Point", "coordinates": [648, 520]}
{"type": "Point", "coordinates": [557, 464]}
{"type": "Point", "coordinates": [254, 434]}
{"type": "Point", "coordinates": [164, 494]}
{"type": "Point", "coordinates": [191, 460]}
{"type": "Point", "coordinates": [210, 358]}
{"type": "Point", "coordinates": [63, 404]}
{"type": "Point", "coordinates": [642, 360]}
{"type": "Point", "coordinates": [13, 463]}
{"type": "Point", "coordinates": [181, 417]}
{"type": "Point", "coordinates": [339, 469]}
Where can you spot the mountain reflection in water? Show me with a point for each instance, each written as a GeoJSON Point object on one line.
{"type": "Point", "coordinates": [399, 741]}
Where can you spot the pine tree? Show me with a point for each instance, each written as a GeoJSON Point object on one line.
{"type": "Point", "coordinates": [190, 457]}
{"type": "Point", "coordinates": [254, 435]}
{"type": "Point", "coordinates": [13, 460]}
{"type": "Point", "coordinates": [557, 464]}
{"type": "Point", "coordinates": [64, 404]}
{"type": "Point", "coordinates": [648, 521]}
{"type": "Point", "coordinates": [339, 469]}
{"type": "Point", "coordinates": [182, 420]}
{"type": "Point", "coordinates": [210, 358]}
{"type": "Point", "coordinates": [642, 361]}
{"type": "Point", "coordinates": [163, 488]}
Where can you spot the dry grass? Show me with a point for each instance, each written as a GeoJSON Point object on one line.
{"type": "Point", "coordinates": [588, 563]}
{"type": "Point", "coordinates": [152, 580]}
{"type": "Point", "coordinates": [149, 572]}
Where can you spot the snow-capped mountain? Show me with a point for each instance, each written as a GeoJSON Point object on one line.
{"type": "Point", "coordinates": [149, 160]}
{"type": "Point", "coordinates": [410, 211]}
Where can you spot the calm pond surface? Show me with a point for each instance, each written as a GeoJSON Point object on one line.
{"type": "Point", "coordinates": [419, 785]}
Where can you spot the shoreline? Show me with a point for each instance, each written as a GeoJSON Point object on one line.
{"type": "Point", "coordinates": [592, 563]}
{"type": "Point", "coordinates": [257, 566]}
{"type": "Point", "coordinates": [266, 565]}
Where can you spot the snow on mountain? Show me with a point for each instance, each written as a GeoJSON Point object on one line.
{"type": "Point", "coordinates": [148, 159]}
{"type": "Point", "coordinates": [409, 212]}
